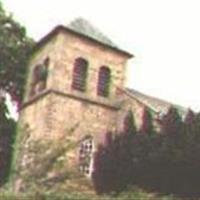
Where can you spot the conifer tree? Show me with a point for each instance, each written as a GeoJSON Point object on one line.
{"type": "Point", "coordinates": [197, 126]}
{"type": "Point", "coordinates": [171, 122]}
{"type": "Point", "coordinates": [190, 117]}
{"type": "Point", "coordinates": [105, 165]}
{"type": "Point", "coordinates": [190, 125]}
{"type": "Point", "coordinates": [129, 123]}
{"type": "Point", "coordinates": [147, 122]}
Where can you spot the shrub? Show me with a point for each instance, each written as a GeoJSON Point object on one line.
{"type": "Point", "coordinates": [147, 122]}
{"type": "Point", "coordinates": [167, 162]}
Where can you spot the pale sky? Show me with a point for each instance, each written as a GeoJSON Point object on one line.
{"type": "Point", "coordinates": [164, 36]}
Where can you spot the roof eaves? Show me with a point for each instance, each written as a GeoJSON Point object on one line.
{"type": "Point", "coordinates": [129, 94]}
{"type": "Point", "coordinates": [149, 99]}
{"type": "Point", "coordinates": [162, 107]}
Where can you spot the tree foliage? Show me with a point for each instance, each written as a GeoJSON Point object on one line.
{"type": "Point", "coordinates": [147, 122]}
{"type": "Point", "coordinates": [15, 47]}
{"type": "Point", "coordinates": [14, 51]}
{"type": "Point", "coordinates": [129, 124]}
{"type": "Point", "coordinates": [171, 122]}
{"type": "Point", "coordinates": [7, 138]}
{"type": "Point", "coordinates": [166, 162]}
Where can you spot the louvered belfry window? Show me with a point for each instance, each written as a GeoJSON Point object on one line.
{"type": "Point", "coordinates": [39, 78]}
{"type": "Point", "coordinates": [80, 74]}
{"type": "Point", "coordinates": [103, 82]}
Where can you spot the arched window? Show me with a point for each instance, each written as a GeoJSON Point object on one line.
{"type": "Point", "coordinates": [86, 155]}
{"type": "Point", "coordinates": [39, 79]}
{"type": "Point", "coordinates": [80, 74]}
{"type": "Point", "coordinates": [103, 81]}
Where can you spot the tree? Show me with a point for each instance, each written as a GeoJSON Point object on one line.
{"type": "Point", "coordinates": [171, 122]}
{"type": "Point", "coordinates": [15, 47]}
{"type": "Point", "coordinates": [105, 166]}
{"type": "Point", "coordinates": [147, 122]}
{"type": "Point", "coordinates": [113, 159]}
{"type": "Point", "coordinates": [129, 124]}
{"type": "Point", "coordinates": [7, 138]}
{"type": "Point", "coordinates": [172, 128]}
{"type": "Point", "coordinates": [197, 126]}
{"type": "Point", "coordinates": [190, 126]}
{"type": "Point", "coordinates": [190, 117]}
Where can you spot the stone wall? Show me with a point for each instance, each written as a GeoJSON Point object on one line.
{"type": "Point", "coordinates": [36, 117]}
{"type": "Point", "coordinates": [38, 57]}
{"type": "Point", "coordinates": [63, 49]}
{"type": "Point", "coordinates": [72, 47]}
{"type": "Point", "coordinates": [54, 115]}
{"type": "Point", "coordinates": [61, 115]}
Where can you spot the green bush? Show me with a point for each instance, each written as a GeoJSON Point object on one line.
{"type": "Point", "coordinates": [165, 162]}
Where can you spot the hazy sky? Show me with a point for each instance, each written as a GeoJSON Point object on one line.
{"type": "Point", "coordinates": [164, 36]}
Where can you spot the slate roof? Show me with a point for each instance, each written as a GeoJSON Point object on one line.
{"type": "Point", "coordinates": [159, 106]}
{"type": "Point", "coordinates": [83, 29]}
{"type": "Point", "coordinates": [82, 26]}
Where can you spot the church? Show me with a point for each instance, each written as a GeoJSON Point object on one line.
{"type": "Point", "coordinates": [75, 88]}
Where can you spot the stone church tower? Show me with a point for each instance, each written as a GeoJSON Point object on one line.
{"type": "Point", "coordinates": [75, 89]}
{"type": "Point", "coordinates": [72, 84]}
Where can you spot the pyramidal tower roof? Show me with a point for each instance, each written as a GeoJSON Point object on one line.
{"type": "Point", "coordinates": [83, 27]}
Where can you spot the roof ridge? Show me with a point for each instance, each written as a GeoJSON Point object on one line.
{"type": "Point", "coordinates": [84, 27]}
{"type": "Point", "coordinates": [154, 102]}
{"type": "Point", "coordinates": [148, 96]}
{"type": "Point", "coordinates": [129, 94]}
